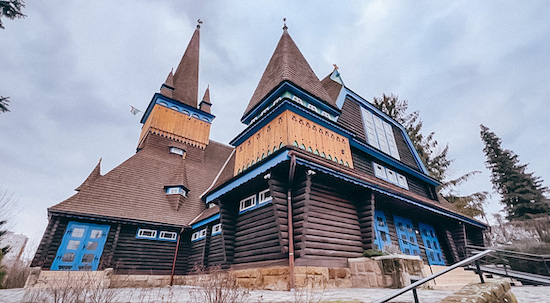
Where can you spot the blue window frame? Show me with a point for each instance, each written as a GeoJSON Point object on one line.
{"type": "Point", "coordinates": [152, 234]}
{"type": "Point", "coordinates": [81, 247]}
{"type": "Point", "coordinates": [433, 249]}
{"type": "Point", "coordinates": [406, 235]}
{"type": "Point", "coordinates": [382, 237]}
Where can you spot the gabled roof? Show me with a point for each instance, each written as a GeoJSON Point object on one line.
{"type": "Point", "coordinates": [94, 175]}
{"type": "Point", "coordinates": [134, 190]}
{"type": "Point", "coordinates": [186, 77]}
{"type": "Point", "coordinates": [288, 64]}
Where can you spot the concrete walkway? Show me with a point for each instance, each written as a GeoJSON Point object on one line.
{"type": "Point", "coordinates": [524, 294]}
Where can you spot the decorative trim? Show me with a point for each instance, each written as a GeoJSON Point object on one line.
{"type": "Point", "coordinates": [205, 221]}
{"type": "Point", "coordinates": [158, 99]}
{"type": "Point", "coordinates": [250, 173]}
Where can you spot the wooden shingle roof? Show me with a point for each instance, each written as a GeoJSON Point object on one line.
{"type": "Point", "coordinates": [134, 190]}
{"type": "Point", "coordinates": [288, 64]}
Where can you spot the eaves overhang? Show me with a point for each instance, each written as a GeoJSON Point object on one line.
{"type": "Point", "coordinates": [377, 188]}
{"type": "Point", "coordinates": [212, 218]}
{"type": "Point", "coordinates": [279, 90]}
{"type": "Point", "coordinates": [84, 216]}
{"type": "Point", "coordinates": [158, 98]}
{"type": "Point", "coordinates": [248, 175]}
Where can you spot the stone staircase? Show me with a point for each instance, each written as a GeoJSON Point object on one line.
{"type": "Point", "coordinates": [458, 278]}
{"type": "Point", "coordinates": [453, 280]}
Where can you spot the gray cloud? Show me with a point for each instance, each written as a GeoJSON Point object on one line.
{"type": "Point", "coordinates": [73, 69]}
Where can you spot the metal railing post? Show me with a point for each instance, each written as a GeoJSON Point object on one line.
{"type": "Point", "coordinates": [415, 295]}
{"type": "Point", "coordinates": [479, 272]}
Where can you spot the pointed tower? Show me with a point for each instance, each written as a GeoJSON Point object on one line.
{"type": "Point", "coordinates": [205, 103]}
{"type": "Point", "coordinates": [173, 112]}
{"type": "Point", "coordinates": [290, 108]}
{"type": "Point", "coordinates": [287, 64]}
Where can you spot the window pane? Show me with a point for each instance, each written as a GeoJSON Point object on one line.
{"type": "Point", "coordinates": [73, 244]}
{"type": "Point", "coordinates": [78, 232]}
{"type": "Point", "coordinates": [96, 234]}
{"type": "Point", "coordinates": [87, 258]}
{"type": "Point", "coordinates": [68, 257]}
{"type": "Point", "coordinates": [92, 245]}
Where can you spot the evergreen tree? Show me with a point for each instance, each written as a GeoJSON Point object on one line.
{"type": "Point", "coordinates": [522, 193]}
{"type": "Point", "coordinates": [434, 157]}
{"type": "Point", "coordinates": [11, 9]}
{"type": "Point", "coordinates": [4, 104]}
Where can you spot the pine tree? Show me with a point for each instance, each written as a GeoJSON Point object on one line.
{"type": "Point", "coordinates": [522, 193]}
{"type": "Point", "coordinates": [434, 157]}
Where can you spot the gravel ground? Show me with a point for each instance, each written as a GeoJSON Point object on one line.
{"type": "Point", "coordinates": [524, 294]}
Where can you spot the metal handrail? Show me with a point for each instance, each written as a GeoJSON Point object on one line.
{"type": "Point", "coordinates": [503, 254]}
{"type": "Point", "coordinates": [414, 285]}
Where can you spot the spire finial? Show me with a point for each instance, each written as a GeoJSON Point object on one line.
{"type": "Point", "coordinates": [284, 24]}
{"type": "Point", "coordinates": [335, 66]}
{"type": "Point", "coordinates": [199, 21]}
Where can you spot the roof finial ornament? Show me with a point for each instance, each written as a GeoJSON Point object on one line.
{"type": "Point", "coordinates": [335, 66]}
{"type": "Point", "coordinates": [199, 21]}
{"type": "Point", "coordinates": [284, 24]}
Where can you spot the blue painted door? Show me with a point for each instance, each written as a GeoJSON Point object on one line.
{"type": "Point", "coordinates": [81, 247]}
{"type": "Point", "coordinates": [382, 237]}
{"type": "Point", "coordinates": [406, 235]}
{"type": "Point", "coordinates": [433, 249]}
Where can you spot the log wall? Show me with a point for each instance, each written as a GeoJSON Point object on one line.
{"type": "Point", "coordinates": [326, 224]}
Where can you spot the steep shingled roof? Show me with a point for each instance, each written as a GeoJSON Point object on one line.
{"type": "Point", "coordinates": [288, 64]}
{"type": "Point", "coordinates": [332, 87]}
{"type": "Point", "coordinates": [134, 190]}
{"type": "Point", "coordinates": [186, 77]}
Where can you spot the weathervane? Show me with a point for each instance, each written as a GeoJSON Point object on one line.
{"type": "Point", "coordinates": [284, 24]}
{"type": "Point", "coordinates": [199, 23]}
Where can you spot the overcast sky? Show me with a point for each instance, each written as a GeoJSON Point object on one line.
{"type": "Point", "coordinates": [73, 68]}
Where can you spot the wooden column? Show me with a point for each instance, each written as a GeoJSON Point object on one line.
{"type": "Point", "coordinates": [365, 212]}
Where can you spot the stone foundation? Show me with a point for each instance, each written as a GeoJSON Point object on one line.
{"type": "Point", "coordinates": [394, 271]}
{"type": "Point", "coordinates": [385, 272]}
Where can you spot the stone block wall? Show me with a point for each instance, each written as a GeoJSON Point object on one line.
{"type": "Point", "coordinates": [385, 271]}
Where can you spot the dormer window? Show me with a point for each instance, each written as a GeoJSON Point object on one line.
{"type": "Point", "coordinates": [176, 190]}
{"type": "Point", "coordinates": [177, 151]}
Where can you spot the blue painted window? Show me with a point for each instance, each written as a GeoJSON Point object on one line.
{"type": "Point", "coordinates": [382, 237]}
{"type": "Point", "coordinates": [81, 247]}
{"type": "Point", "coordinates": [406, 235]}
{"type": "Point", "coordinates": [152, 234]}
{"type": "Point", "coordinates": [144, 233]}
{"type": "Point", "coordinates": [254, 201]}
{"type": "Point", "coordinates": [198, 235]}
{"type": "Point", "coordinates": [433, 249]}
{"type": "Point", "coordinates": [217, 229]}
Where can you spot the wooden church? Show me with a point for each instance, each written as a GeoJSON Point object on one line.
{"type": "Point", "coordinates": [319, 175]}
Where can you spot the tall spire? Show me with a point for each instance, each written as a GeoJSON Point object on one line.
{"type": "Point", "coordinates": [186, 77]}
{"type": "Point", "coordinates": [288, 64]}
